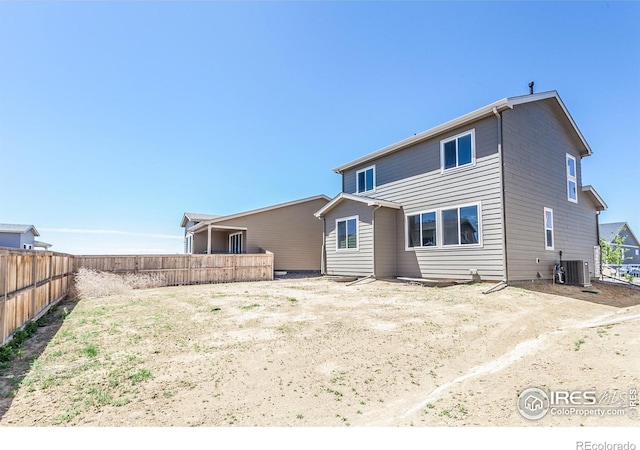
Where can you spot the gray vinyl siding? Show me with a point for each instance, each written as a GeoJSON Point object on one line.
{"type": "Point", "coordinates": [385, 240]}
{"type": "Point", "coordinates": [346, 261]}
{"type": "Point", "coordinates": [12, 240]}
{"type": "Point", "coordinates": [412, 178]}
{"type": "Point", "coordinates": [16, 240]}
{"type": "Point", "coordinates": [536, 140]}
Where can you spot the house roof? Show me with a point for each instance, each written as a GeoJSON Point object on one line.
{"type": "Point", "coordinates": [217, 219]}
{"type": "Point", "coordinates": [195, 217]}
{"type": "Point", "coordinates": [499, 106]}
{"type": "Point", "coordinates": [608, 231]}
{"type": "Point", "coordinates": [18, 229]}
{"type": "Point", "coordinates": [356, 198]}
{"type": "Point", "coordinates": [595, 197]}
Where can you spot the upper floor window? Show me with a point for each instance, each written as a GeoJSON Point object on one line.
{"type": "Point", "coordinates": [366, 179]}
{"type": "Point", "coordinates": [347, 233]}
{"type": "Point", "coordinates": [458, 151]}
{"type": "Point", "coordinates": [572, 179]}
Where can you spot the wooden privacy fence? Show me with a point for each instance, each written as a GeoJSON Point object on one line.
{"type": "Point", "coordinates": [176, 270]}
{"type": "Point", "coordinates": [30, 283]}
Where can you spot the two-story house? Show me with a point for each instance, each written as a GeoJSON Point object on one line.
{"type": "Point", "coordinates": [629, 248]}
{"type": "Point", "coordinates": [496, 194]}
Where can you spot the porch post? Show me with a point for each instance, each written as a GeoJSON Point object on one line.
{"type": "Point", "coordinates": [209, 239]}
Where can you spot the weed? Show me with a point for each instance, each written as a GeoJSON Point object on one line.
{"type": "Point", "coordinates": [577, 344]}
{"type": "Point", "coordinates": [140, 376]}
{"type": "Point", "coordinates": [90, 350]}
{"type": "Point", "coordinates": [299, 416]}
{"type": "Point", "coordinates": [121, 402]}
{"type": "Point", "coordinates": [253, 305]}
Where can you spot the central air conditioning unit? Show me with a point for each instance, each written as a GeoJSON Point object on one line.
{"type": "Point", "coordinates": [577, 272]}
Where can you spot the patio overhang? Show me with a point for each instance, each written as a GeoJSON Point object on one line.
{"type": "Point", "coordinates": [208, 228]}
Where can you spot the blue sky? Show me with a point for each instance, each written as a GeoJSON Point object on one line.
{"type": "Point", "coordinates": [118, 117]}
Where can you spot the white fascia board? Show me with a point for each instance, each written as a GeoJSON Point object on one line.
{"type": "Point", "coordinates": [499, 106]}
{"type": "Point", "coordinates": [460, 121]}
{"type": "Point", "coordinates": [601, 205]}
{"type": "Point", "coordinates": [551, 94]}
{"type": "Point", "coordinates": [204, 225]}
{"type": "Point", "coordinates": [356, 198]}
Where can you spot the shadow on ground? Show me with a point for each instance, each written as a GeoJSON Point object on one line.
{"type": "Point", "coordinates": [31, 349]}
{"type": "Point", "coordinates": [600, 292]}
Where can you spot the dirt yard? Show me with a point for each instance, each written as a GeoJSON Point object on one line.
{"type": "Point", "coordinates": [314, 352]}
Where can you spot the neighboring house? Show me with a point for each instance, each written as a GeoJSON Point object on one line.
{"type": "Point", "coordinates": [189, 220]}
{"type": "Point", "coordinates": [20, 236]}
{"type": "Point", "coordinates": [288, 230]}
{"type": "Point", "coordinates": [496, 194]}
{"type": "Point", "coordinates": [630, 246]}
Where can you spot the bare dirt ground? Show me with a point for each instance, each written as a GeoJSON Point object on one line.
{"type": "Point", "coordinates": [313, 352]}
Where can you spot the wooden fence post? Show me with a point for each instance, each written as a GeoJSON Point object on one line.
{"type": "Point", "coordinates": [3, 293]}
{"type": "Point", "coordinates": [189, 270]}
{"type": "Point", "coordinates": [34, 282]}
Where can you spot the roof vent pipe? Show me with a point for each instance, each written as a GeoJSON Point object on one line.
{"type": "Point", "coordinates": [530, 87]}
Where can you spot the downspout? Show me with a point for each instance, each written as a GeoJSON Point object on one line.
{"type": "Point", "coordinates": [505, 277]}
{"type": "Point", "coordinates": [598, 244]}
{"type": "Point", "coordinates": [373, 233]}
{"type": "Point", "coordinates": [323, 257]}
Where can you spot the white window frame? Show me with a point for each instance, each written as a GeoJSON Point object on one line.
{"type": "Point", "coordinates": [232, 243]}
{"type": "Point", "coordinates": [572, 178]}
{"type": "Point", "coordinates": [544, 223]}
{"type": "Point", "coordinates": [440, 230]}
{"type": "Point", "coordinates": [346, 220]}
{"type": "Point", "coordinates": [472, 132]}
{"type": "Point", "coordinates": [373, 169]}
{"type": "Point", "coordinates": [406, 228]}
{"type": "Point", "coordinates": [189, 244]}
{"type": "Point", "coordinates": [458, 207]}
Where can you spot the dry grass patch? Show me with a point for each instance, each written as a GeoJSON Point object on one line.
{"type": "Point", "coordinates": [90, 283]}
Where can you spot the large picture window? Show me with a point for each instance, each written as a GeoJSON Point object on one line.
{"type": "Point", "coordinates": [347, 233]}
{"type": "Point", "coordinates": [422, 230]}
{"type": "Point", "coordinates": [366, 179]}
{"type": "Point", "coordinates": [458, 151]}
{"type": "Point", "coordinates": [443, 228]}
{"type": "Point", "coordinates": [572, 179]}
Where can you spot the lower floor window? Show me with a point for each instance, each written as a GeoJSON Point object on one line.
{"type": "Point", "coordinates": [347, 230]}
{"type": "Point", "coordinates": [446, 227]}
{"type": "Point", "coordinates": [460, 225]}
{"type": "Point", "coordinates": [422, 230]}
